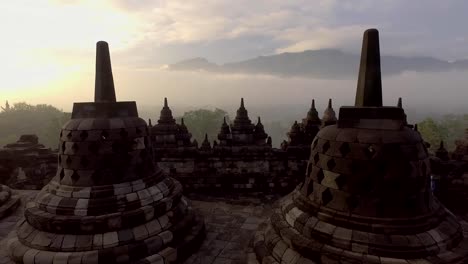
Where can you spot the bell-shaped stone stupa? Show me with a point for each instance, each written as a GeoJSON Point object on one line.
{"type": "Point", "coordinates": [367, 195]}
{"type": "Point", "coordinates": [108, 202]}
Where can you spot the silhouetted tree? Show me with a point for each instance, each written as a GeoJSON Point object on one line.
{"type": "Point", "coordinates": [203, 121]}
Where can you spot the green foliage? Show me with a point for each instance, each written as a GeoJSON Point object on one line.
{"type": "Point", "coordinates": [449, 128]}
{"type": "Point", "coordinates": [203, 121]}
{"type": "Point", "coordinates": [43, 120]}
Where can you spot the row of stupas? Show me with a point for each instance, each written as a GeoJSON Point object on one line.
{"type": "Point", "coordinates": [109, 202]}
{"type": "Point", "coordinates": [241, 159]}
{"type": "Point", "coordinates": [366, 197]}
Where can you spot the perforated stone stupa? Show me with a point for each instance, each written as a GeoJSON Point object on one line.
{"type": "Point", "coordinates": [366, 197]}
{"type": "Point", "coordinates": [108, 202]}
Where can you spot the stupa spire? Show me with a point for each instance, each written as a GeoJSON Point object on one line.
{"type": "Point", "coordinates": [165, 102]}
{"type": "Point", "coordinates": [242, 103]}
{"type": "Point", "coordinates": [400, 104]}
{"type": "Point", "coordinates": [104, 90]}
{"type": "Point", "coordinates": [369, 87]}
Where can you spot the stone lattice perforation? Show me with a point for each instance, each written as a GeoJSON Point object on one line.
{"type": "Point", "coordinates": [43, 220]}
{"type": "Point", "coordinates": [107, 144]}
{"type": "Point", "coordinates": [95, 124]}
{"type": "Point", "coordinates": [294, 229]}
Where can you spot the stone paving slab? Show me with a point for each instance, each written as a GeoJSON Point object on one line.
{"type": "Point", "coordinates": [230, 230]}
{"type": "Point", "coordinates": [230, 227]}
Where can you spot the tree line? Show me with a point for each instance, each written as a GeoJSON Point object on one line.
{"type": "Point", "coordinates": [46, 121]}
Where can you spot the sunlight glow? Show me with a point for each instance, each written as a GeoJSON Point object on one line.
{"type": "Point", "coordinates": [49, 40]}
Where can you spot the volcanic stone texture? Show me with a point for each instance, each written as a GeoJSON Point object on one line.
{"type": "Point", "coordinates": [365, 199]}
{"type": "Point", "coordinates": [108, 203]}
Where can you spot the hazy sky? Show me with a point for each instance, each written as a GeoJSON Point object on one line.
{"type": "Point", "coordinates": [47, 52]}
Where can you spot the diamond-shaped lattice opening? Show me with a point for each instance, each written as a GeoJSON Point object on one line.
{"type": "Point", "coordinates": [64, 146]}
{"type": "Point", "coordinates": [366, 184]}
{"type": "Point", "coordinates": [128, 158]}
{"type": "Point", "coordinates": [61, 133]}
{"type": "Point", "coordinates": [59, 159]}
{"type": "Point", "coordinates": [123, 133]}
{"type": "Point", "coordinates": [316, 158]}
{"type": "Point", "coordinates": [104, 135]}
{"type": "Point", "coordinates": [62, 174]}
{"type": "Point", "coordinates": [407, 169]}
{"type": "Point", "coordinates": [345, 149]}
{"type": "Point", "coordinates": [94, 148]}
{"type": "Point", "coordinates": [69, 135]}
{"type": "Point", "coordinates": [314, 144]}
{"type": "Point", "coordinates": [134, 144]}
{"type": "Point", "coordinates": [310, 187]}
{"type": "Point", "coordinates": [75, 176]}
{"type": "Point", "coordinates": [143, 154]}
{"type": "Point", "coordinates": [309, 169]}
{"type": "Point", "coordinates": [75, 147]}
{"type": "Point", "coordinates": [331, 164]}
{"type": "Point", "coordinates": [326, 196]}
{"type": "Point", "coordinates": [354, 167]}
{"type": "Point", "coordinates": [340, 181]}
{"type": "Point", "coordinates": [369, 152]}
{"type": "Point", "coordinates": [138, 131]}
{"type": "Point", "coordinates": [84, 162]}
{"type": "Point", "coordinates": [139, 170]}
{"type": "Point", "coordinates": [423, 169]}
{"type": "Point", "coordinates": [352, 202]}
{"type": "Point", "coordinates": [116, 147]}
{"type": "Point", "coordinates": [69, 160]}
{"type": "Point", "coordinates": [326, 146]}
{"type": "Point", "coordinates": [96, 176]}
{"type": "Point", "coordinates": [320, 176]}
{"type": "Point", "coordinates": [84, 135]}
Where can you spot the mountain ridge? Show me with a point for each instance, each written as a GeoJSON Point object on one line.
{"type": "Point", "coordinates": [323, 63]}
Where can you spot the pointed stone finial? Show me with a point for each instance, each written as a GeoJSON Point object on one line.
{"type": "Point", "coordinates": [242, 103]}
{"type": "Point", "coordinates": [206, 136]}
{"type": "Point", "coordinates": [313, 104]}
{"type": "Point", "coordinates": [182, 121]}
{"type": "Point", "coordinates": [165, 102]}
{"type": "Point", "coordinates": [400, 104]}
{"type": "Point", "coordinates": [149, 122]}
{"type": "Point", "coordinates": [259, 121]}
{"type": "Point", "coordinates": [330, 103]}
{"type": "Point", "coordinates": [224, 120]}
{"type": "Point", "coordinates": [104, 90]}
{"type": "Point", "coordinates": [369, 87]}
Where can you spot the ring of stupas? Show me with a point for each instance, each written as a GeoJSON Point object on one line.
{"type": "Point", "coordinates": [108, 202]}
{"type": "Point", "coordinates": [366, 197]}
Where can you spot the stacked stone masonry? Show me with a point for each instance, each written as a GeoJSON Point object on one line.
{"type": "Point", "coordinates": [108, 202]}
{"type": "Point", "coordinates": [27, 164]}
{"type": "Point", "coordinates": [242, 161]}
{"type": "Point", "coordinates": [366, 197]}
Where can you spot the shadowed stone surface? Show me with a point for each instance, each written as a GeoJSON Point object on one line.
{"type": "Point", "coordinates": [108, 202]}
{"type": "Point", "coordinates": [366, 197]}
